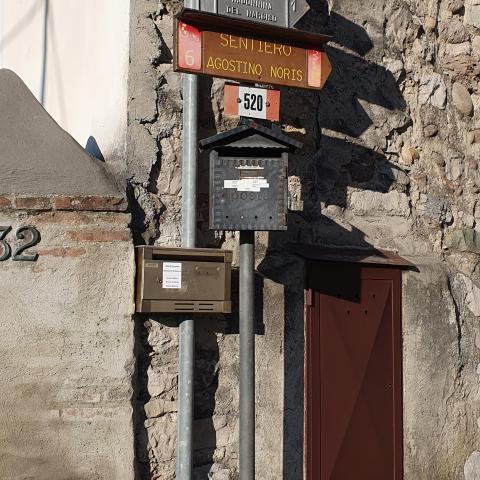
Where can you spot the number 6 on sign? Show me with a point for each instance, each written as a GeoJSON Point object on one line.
{"type": "Point", "coordinates": [189, 47]}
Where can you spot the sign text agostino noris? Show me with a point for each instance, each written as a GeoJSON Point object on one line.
{"type": "Point", "coordinates": [269, 62]}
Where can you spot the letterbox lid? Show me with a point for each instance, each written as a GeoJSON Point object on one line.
{"type": "Point", "coordinates": [250, 134]}
{"type": "Point", "coordinates": [197, 254]}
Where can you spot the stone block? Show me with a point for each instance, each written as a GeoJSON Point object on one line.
{"type": "Point", "coordinates": [157, 407]}
{"type": "Point", "coordinates": [99, 236]}
{"type": "Point", "coordinates": [472, 294]}
{"type": "Point", "coordinates": [476, 44]}
{"type": "Point", "coordinates": [458, 49]}
{"type": "Point", "coordinates": [472, 13]}
{"type": "Point", "coordinates": [455, 6]}
{"type": "Point", "coordinates": [5, 202]}
{"type": "Point", "coordinates": [409, 155]}
{"type": "Point", "coordinates": [162, 435]}
{"type": "Point", "coordinates": [89, 203]}
{"type": "Point", "coordinates": [460, 65]}
{"type": "Point", "coordinates": [467, 240]}
{"type": "Point", "coordinates": [376, 203]}
{"type": "Point", "coordinates": [462, 99]}
{"type": "Point", "coordinates": [430, 130]}
{"type": "Point", "coordinates": [160, 381]}
{"type": "Point", "coordinates": [432, 90]}
{"type": "Point", "coordinates": [32, 203]}
{"type": "Point", "coordinates": [472, 467]}
{"type": "Point", "coordinates": [453, 31]}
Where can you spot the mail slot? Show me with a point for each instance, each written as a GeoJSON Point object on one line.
{"type": "Point", "coordinates": [175, 280]}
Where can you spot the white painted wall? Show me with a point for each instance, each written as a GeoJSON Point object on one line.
{"type": "Point", "coordinates": [87, 58]}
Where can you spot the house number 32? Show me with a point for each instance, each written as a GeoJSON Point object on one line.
{"type": "Point", "coordinates": [30, 235]}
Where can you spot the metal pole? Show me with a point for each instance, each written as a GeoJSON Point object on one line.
{"type": "Point", "coordinates": [186, 361]}
{"type": "Point", "coordinates": [247, 355]}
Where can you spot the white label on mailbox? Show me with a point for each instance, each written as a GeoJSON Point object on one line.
{"type": "Point", "coordinates": [253, 102]}
{"type": "Point", "coordinates": [172, 275]}
{"type": "Point", "coordinates": [253, 184]}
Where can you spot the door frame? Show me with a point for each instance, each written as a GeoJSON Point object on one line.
{"type": "Point", "coordinates": [312, 427]}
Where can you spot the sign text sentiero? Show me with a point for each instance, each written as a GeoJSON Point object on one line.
{"type": "Point", "coordinates": [249, 59]}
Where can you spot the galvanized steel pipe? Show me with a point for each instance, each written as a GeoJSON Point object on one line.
{"type": "Point", "coordinates": [186, 362]}
{"type": "Point", "coordinates": [247, 355]}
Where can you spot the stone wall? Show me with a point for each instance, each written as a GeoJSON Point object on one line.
{"type": "Point", "coordinates": [66, 337]}
{"type": "Point", "coordinates": [390, 161]}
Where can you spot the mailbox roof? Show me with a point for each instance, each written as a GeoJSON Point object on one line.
{"type": "Point", "coordinates": [37, 156]}
{"type": "Point", "coordinates": [251, 135]}
{"type": "Point", "coordinates": [369, 256]}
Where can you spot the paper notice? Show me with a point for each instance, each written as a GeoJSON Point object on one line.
{"type": "Point", "coordinates": [254, 184]}
{"type": "Point", "coordinates": [172, 275]}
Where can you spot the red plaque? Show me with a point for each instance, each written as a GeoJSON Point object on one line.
{"type": "Point", "coordinates": [189, 47]}
{"type": "Point", "coordinates": [252, 102]}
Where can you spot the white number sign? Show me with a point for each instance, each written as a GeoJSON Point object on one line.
{"type": "Point", "coordinates": [253, 102]}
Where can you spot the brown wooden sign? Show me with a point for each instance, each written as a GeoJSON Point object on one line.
{"type": "Point", "coordinates": [248, 58]}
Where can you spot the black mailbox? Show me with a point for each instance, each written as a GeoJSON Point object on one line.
{"type": "Point", "coordinates": [249, 178]}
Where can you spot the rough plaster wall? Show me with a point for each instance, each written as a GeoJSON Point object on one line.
{"type": "Point", "coordinates": [390, 160]}
{"type": "Point", "coordinates": [66, 342]}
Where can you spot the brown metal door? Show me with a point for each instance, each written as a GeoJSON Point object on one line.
{"type": "Point", "coordinates": [353, 373]}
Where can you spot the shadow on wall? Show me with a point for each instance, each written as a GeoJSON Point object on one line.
{"type": "Point", "coordinates": [328, 165]}
{"type": "Point", "coordinates": [209, 401]}
{"type": "Point", "coordinates": [93, 149]}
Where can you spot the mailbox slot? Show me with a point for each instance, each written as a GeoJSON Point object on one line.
{"type": "Point", "coordinates": [175, 280]}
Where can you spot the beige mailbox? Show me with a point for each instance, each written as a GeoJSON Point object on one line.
{"type": "Point", "coordinates": [175, 280]}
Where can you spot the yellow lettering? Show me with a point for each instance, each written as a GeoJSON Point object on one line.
{"type": "Point", "coordinates": [233, 42]}
{"type": "Point", "coordinates": [251, 69]}
{"type": "Point", "coordinates": [225, 64]}
{"type": "Point", "coordinates": [287, 50]}
{"type": "Point", "coordinates": [285, 73]}
{"type": "Point", "coordinates": [276, 47]}
{"type": "Point", "coordinates": [268, 48]}
{"type": "Point", "coordinates": [218, 63]}
{"type": "Point", "coordinates": [224, 40]}
{"type": "Point", "coordinates": [260, 49]}
{"type": "Point", "coordinates": [232, 66]}
{"type": "Point", "coordinates": [244, 43]}
{"type": "Point", "coordinates": [210, 63]}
